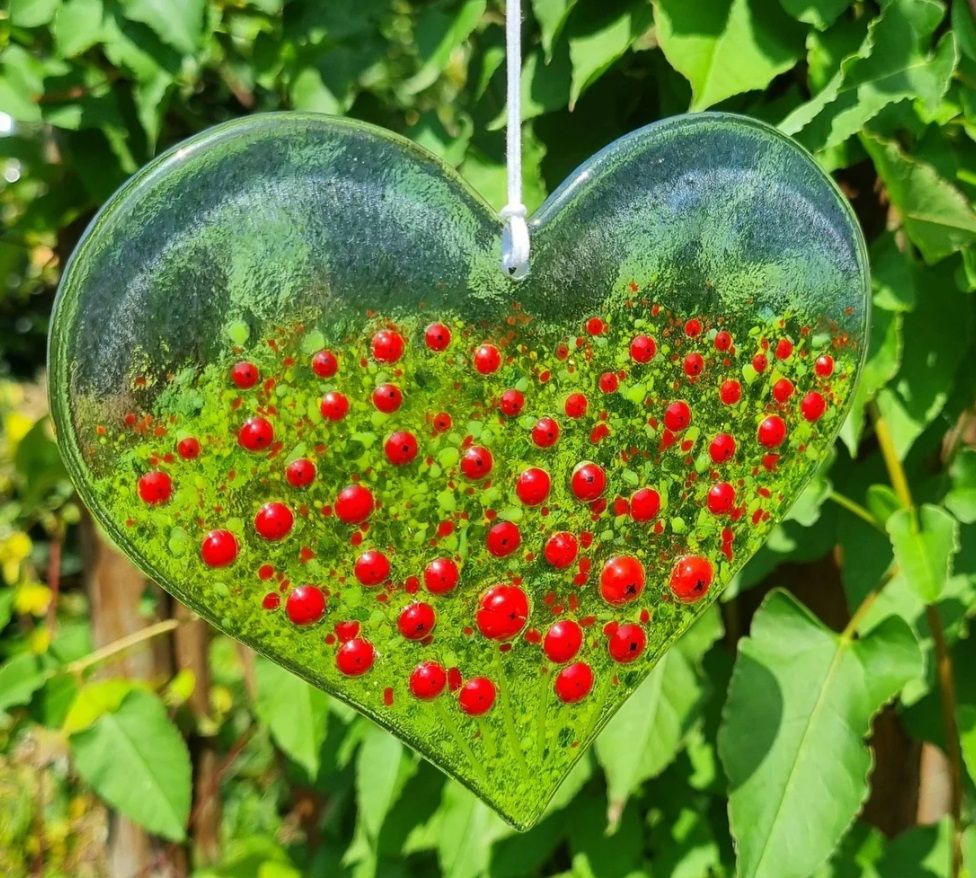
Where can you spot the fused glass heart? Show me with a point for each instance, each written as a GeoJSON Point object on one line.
{"type": "Point", "coordinates": [292, 382]}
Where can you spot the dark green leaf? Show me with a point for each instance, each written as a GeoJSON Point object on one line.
{"type": "Point", "coordinates": [20, 678]}
{"type": "Point", "coordinates": [439, 33]}
{"type": "Point", "coordinates": [961, 499]}
{"type": "Point", "coordinates": [381, 772]}
{"type": "Point", "coordinates": [176, 22]}
{"type": "Point", "coordinates": [820, 13]}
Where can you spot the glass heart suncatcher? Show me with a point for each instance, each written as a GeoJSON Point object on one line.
{"type": "Point", "coordinates": [291, 381]}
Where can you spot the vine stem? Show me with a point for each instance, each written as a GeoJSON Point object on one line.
{"type": "Point", "coordinates": [856, 509]}
{"type": "Point", "coordinates": [944, 669]}
{"type": "Point", "coordinates": [110, 650]}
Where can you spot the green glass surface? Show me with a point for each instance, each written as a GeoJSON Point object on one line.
{"type": "Point", "coordinates": [269, 239]}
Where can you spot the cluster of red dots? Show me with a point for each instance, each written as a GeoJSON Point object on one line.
{"type": "Point", "coordinates": [503, 610]}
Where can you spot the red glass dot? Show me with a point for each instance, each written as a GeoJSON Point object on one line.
{"type": "Point", "coordinates": [219, 548]}
{"type": "Point", "coordinates": [824, 366]}
{"type": "Point", "coordinates": [387, 346]}
{"type": "Point", "coordinates": [155, 487]}
{"type": "Point", "coordinates": [255, 434]}
{"type": "Point", "coordinates": [690, 578]}
{"type": "Point", "coordinates": [487, 359]}
{"type": "Point", "coordinates": [188, 448]}
{"type": "Point", "coordinates": [645, 504]}
{"type": "Point", "coordinates": [622, 579]}
{"type": "Point", "coordinates": [609, 382]}
{"type": "Point", "coordinates": [588, 481]}
{"type": "Point", "coordinates": [300, 473]}
{"type": "Point", "coordinates": [334, 406]}
{"type": "Point", "coordinates": [355, 657]}
{"type": "Point", "coordinates": [561, 550]}
{"type": "Point", "coordinates": [305, 605]}
{"type": "Point", "coordinates": [595, 326]}
{"type": "Point", "coordinates": [274, 521]}
{"type": "Point", "coordinates": [730, 392]}
{"type": "Point", "coordinates": [417, 621]}
{"type": "Point", "coordinates": [694, 364]}
{"type": "Point", "coordinates": [354, 504]}
{"type": "Point", "coordinates": [677, 416]}
{"type": "Point", "coordinates": [562, 641]}
{"type": "Point", "coordinates": [387, 398]}
{"type": "Point", "coordinates": [476, 462]}
{"type": "Point", "coordinates": [784, 348]}
{"type": "Point", "coordinates": [477, 696]}
{"type": "Point", "coordinates": [693, 328]}
{"type": "Point", "coordinates": [772, 431]}
{"type": "Point", "coordinates": [325, 364]}
{"type": "Point", "coordinates": [760, 362]}
{"type": "Point", "coordinates": [575, 405]}
{"type": "Point", "coordinates": [642, 349]}
{"type": "Point", "coordinates": [626, 643]}
{"type": "Point", "coordinates": [722, 448]}
{"type": "Point", "coordinates": [400, 448]}
{"type": "Point", "coordinates": [503, 538]}
{"type": "Point", "coordinates": [813, 406]}
{"type": "Point", "coordinates": [545, 432]}
{"type": "Point", "coordinates": [427, 680]}
{"type": "Point", "coordinates": [532, 486]}
{"type": "Point", "coordinates": [372, 567]}
{"type": "Point", "coordinates": [437, 337]}
{"type": "Point", "coordinates": [502, 612]}
{"type": "Point", "coordinates": [721, 498]}
{"type": "Point", "coordinates": [511, 403]}
{"type": "Point", "coordinates": [441, 576]}
{"type": "Point", "coordinates": [245, 375]}
{"type": "Point", "coordinates": [782, 390]}
{"type": "Point", "coordinates": [723, 340]}
{"type": "Point", "coordinates": [574, 682]}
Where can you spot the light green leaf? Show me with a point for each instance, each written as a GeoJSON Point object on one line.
{"type": "Point", "coordinates": [961, 499]}
{"type": "Point", "coordinates": [137, 761]}
{"type": "Point", "coordinates": [924, 544]}
{"type": "Point", "coordinates": [551, 15]}
{"type": "Point", "coordinates": [800, 703]}
{"type": "Point", "coordinates": [77, 26]}
{"type": "Point", "coordinates": [820, 13]}
{"type": "Point", "coordinates": [598, 34]}
{"type": "Point", "coordinates": [936, 215]}
{"type": "Point", "coordinates": [892, 64]}
{"type": "Point", "coordinates": [466, 832]}
{"type": "Point", "coordinates": [646, 733]}
{"type": "Point", "coordinates": [93, 700]}
{"type": "Point", "coordinates": [381, 772]}
{"type": "Point", "coordinates": [881, 365]}
{"type": "Point", "coordinates": [32, 13]}
{"type": "Point", "coordinates": [891, 275]}
{"type": "Point", "coordinates": [967, 737]}
{"type": "Point", "coordinates": [20, 678]}
{"type": "Point", "coordinates": [178, 23]}
{"type": "Point", "coordinates": [294, 711]}
{"type": "Point", "coordinates": [438, 34]}
{"type": "Point", "coordinates": [726, 47]}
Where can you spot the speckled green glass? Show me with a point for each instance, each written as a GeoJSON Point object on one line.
{"type": "Point", "coordinates": [248, 322]}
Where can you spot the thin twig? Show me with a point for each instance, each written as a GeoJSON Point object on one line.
{"type": "Point", "coordinates": [110, 650]}
{"type": "Point", "coordinates": [856, 509]}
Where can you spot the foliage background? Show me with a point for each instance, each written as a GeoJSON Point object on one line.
{"type": "Point", "coordinates": [184, 755]}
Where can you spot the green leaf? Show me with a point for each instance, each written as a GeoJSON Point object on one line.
{"type": "Point", "coordinates": [438, 34]}
{"type": "Point", "coordinates": [178, 23]}
{"type": "Point", "coordinates": [936, 215]}
{"type": "Point", "coordinates": [20, 678]}
{"type": "Point", "coordinates": [551, 15]}
{"type": "Point", "coordinates": [820, 13]}
{"type": "Point", "coordinates": [800, 703]}
{"type": "Point", "coordinates": [467, 828]}
{"type": "Point", "coordinates": [32, 13]}
{"type": "Point", "coordinates": [892, 64]}
{"type": "Point", "coordinates": [646, 733]}
{"type": "Point", "coordinates": [891, 275]}
{"type": "Point", "coordinates": [726, 47]}
{"type": "Point", "coordinates": [77, 26]}
{"type": "Point", "coordinates": [381, 773]}
{"type": "Point", "coordinates": [294, 711]}
{"type": "Point", "coordinates": [924, 544]}
{"type": "Point", "coordinates": [961, 499]}
{"type": "Point", "coordinates": [137, 761]}
{"type": "Point", "coordinates": [598, 34]}
{"type": "Point", "coordinates": [967, 737]}
{"type": "Point", "coordinates": [94, 700]}
{"type": "Point", "coordinates": [964, 27]}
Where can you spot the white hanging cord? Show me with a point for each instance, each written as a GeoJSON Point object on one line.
{"type": "Point", "coordinates": [515, 235]}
